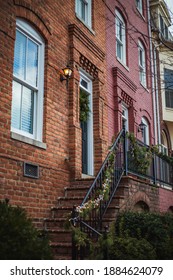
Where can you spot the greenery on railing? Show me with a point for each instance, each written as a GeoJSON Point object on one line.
{"type": "Point", "coordinates": [139, 156]}
{"type": "Point", "coordinates": [102, 193]}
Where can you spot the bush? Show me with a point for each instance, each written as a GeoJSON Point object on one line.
{"type": "Point", "coordinates": [138, 236]}
{"type": "Point", "coordinates": [131, 248]}
{"type": "Point", "coordinates": [19, 240]}
{"type": "Point", "coordinates": [156, 228]}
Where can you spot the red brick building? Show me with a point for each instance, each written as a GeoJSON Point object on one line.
{"type": "Point", "coordinates": [48, 155]}
{"type": "Point", "coordinates": [40, 133]}
{"type": "Point", "coordinates": [129, 68]}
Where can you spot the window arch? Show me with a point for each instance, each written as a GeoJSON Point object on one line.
{"type": "Point", "coordinates": [28, 82]}
{"type": "Point", "coordinates": [142, 63]}
{"type": "Point", "coordinates": [145, 133]}
{"type": "Point", "coordinates": [120, 37]}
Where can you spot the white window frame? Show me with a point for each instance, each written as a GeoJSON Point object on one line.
{"type": "Point", "coordinates": [32, 34]}
{"type": "Point", "coordinates": [142, 64]}
{"type": "Point", "coordinates": [120, 31]}
{"type": "Point", "coordinates": [90, 147]}
{"type": "Point", "coordinates": [86, 18]}
{"type": "Point", "coordinates": [146, 135]}
{"type": "Point", "coordinates": [139, 6]}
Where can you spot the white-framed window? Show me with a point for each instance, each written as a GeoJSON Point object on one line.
{"type": "Point", "coordinates": [139, 6]}
{"type": "Point", "coordinates": [83, 11]}
{"type": "Point", "coordinates": [120, 37]}
{"type": "Point", "coordinates": [142, 63]}
{"type": "Point", "coordinates": [28, 82]}
{"type": "Point", "coordinates": [168, 79]}
{"type": "Point", "coordinates": [145, 132]}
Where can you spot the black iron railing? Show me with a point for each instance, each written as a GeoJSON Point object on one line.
{"type": "Point", "coordinates": [90, 213]}
{"type": "Point", "coordinates": [119, 161]}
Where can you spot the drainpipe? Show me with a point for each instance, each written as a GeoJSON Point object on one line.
{"type": "Point", "coordinates": [157, 95]}
{"type": "Point", "coordinates": [155, 111]}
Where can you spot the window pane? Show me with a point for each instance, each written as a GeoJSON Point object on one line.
{"type": "Point", "coordinates": [84, 84]}
{"type": "Point", "coordinates": [16, 105]}
{"type": "Point", "coordinates": [20, 55]}
{"type": "Point", "coordinates": [32, 63]}
{"type": "Point", "coordinates": [27, 110]}
{"type": "Point", "coordinates": [119, 50]}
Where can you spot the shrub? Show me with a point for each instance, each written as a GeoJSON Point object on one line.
{"type": "Point", "coordinates": [156, 228]}
{"type": "Point", "coordinates": [19, 239]}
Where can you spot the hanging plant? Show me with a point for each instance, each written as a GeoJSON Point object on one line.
{"type": "Point", "coordinates": [84, 105]}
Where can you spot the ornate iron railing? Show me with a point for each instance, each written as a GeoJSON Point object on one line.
{"type": "Point", "coordinates": [119, 161]}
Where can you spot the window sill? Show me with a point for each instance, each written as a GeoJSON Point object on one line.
{"type": "Point", "coordinates": [122, 63]}
{"type": "Point", "coordinates": [28, 140]}
{"type": "Point", "coordinates": [142, 16]}
{"type": "Point", "coordinates": [85, 24]}
{"type": "Point", "coordinates": [144, 86]}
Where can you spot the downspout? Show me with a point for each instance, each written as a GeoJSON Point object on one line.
{"type": "Point", "coordinates": [157, 95]}
{"type": "Point", "coordinates": [155, 111]}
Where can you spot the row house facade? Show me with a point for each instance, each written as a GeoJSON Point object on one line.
{"type": "Point", "coordinates": [162, 47]}
{"type": "Point", "coordinates": [55, 131]}
{"type": "Point", "coordinates": [43, 144]}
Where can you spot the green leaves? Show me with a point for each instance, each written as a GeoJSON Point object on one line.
{"type": "Point", "coordinates": [19, 240]}
{"type": "Point", "coordinates": [84, 105]}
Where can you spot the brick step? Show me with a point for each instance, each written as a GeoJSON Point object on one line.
{"type": "Point", "coordinates": [55, 223]}
{"type": "Point", "coordinates": [70, 201]}
{"type": "Point", "coordinates": [61, 250]}
{"type": "Point", "coordinates": [59, 235]}
{"type": "Point", "coordinates": [82, 182]}
{"type": "Point", "coordinates": [76, 191]}
{"type": "Point", "coordinates": [61, 211]}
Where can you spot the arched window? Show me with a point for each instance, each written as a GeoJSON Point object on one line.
{"type": "Point", "coordinates": [164, 145]}
{"type": "Point", "coordinates": [142, 63]}
{"type": "Point", "coordinates": [120, 38]}
{"type": "Point", "coordinates": [28, 82]}
{"type": "Point", "coordinates": [145, 133]}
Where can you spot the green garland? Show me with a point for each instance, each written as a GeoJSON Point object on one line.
{"type": "Point", "coordinates": [84, 105]}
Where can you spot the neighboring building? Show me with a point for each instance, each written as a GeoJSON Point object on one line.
{"type": "Point", "coordinates": [162, 45]}
{"type": "Point", "coordinates": [43, 146]}
{"type": "Point", "coordinates": [130, 95]}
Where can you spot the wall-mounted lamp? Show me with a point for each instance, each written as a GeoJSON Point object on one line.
{"type": "Point", "coordinates": [141, 127]}
{"type": "Point", "coordinates": [65, 74]}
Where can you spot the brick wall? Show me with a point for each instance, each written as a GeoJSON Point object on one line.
{"type": "Point", "coordinates": [67, 40]}
{"type": "Point", "coordinates": [141, 98]}
{"type": "Point", "coordinates": [166, 200]}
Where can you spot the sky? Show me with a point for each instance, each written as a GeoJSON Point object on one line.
{"type": "Point", "coordinates": [170, 6]}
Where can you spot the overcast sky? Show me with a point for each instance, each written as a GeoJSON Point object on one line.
{"type": "Point", "coordinates": [170, 6]}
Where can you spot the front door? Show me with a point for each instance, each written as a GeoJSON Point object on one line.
{"type": "Point", "coordinates": [87, 128]}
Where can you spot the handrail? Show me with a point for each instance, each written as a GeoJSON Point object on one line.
{"type": "Point", "coordinates": [107, 181]}
{"type": "Point", "coordinates": [103, 165]}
